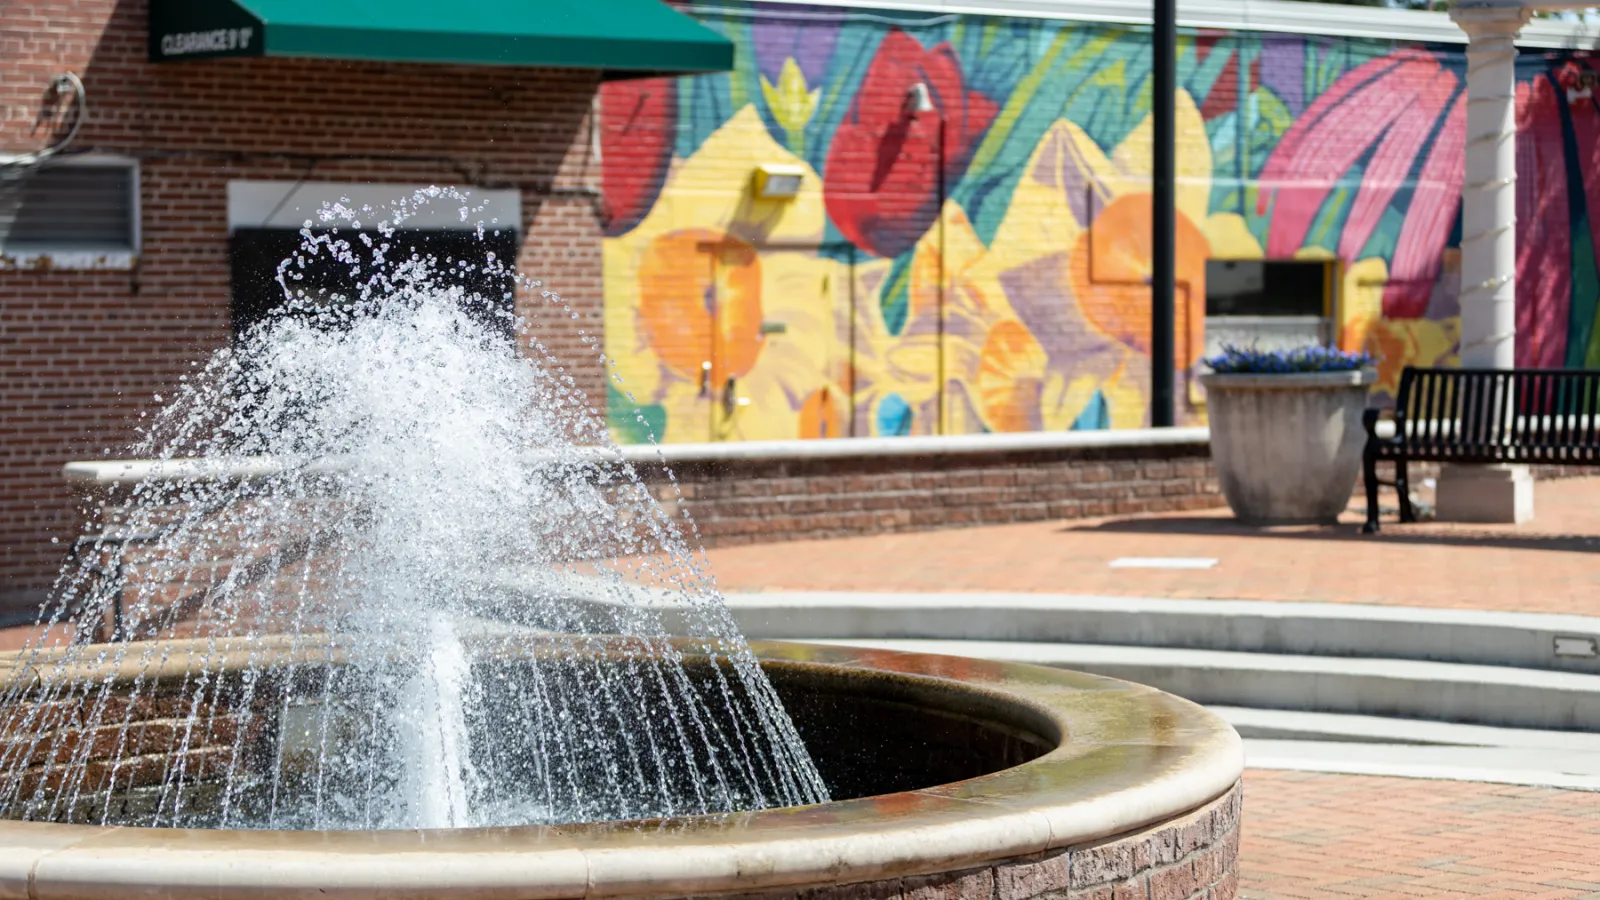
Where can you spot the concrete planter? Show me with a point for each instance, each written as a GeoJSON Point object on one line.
{"type": "Point", "coordinates": [1287, 447]}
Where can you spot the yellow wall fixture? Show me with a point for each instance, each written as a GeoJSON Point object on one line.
{"type": "Point", "coordinates": [778, 181]}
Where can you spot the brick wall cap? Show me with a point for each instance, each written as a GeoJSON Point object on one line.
{"type": "Point", "coordinates": [953, 445]}
{"type": "Point", "coordinates": [128, 471]}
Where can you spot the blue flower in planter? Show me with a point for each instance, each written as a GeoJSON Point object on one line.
{"type": "Point", "coordinates": [1313, 358]}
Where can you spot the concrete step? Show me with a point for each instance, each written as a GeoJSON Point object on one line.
{"type": "Point", "coordinates": [1500, 765]}
{"type": "Point", "coordinates": [1344, 728]}
{"type": "Point", "coordinates": [1393, 688]}
{"type": "Point", "coordinates": [1522, 640]}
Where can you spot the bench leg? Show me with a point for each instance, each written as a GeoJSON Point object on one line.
{"type": "Point", "coordinates": [1402, 484]}
{"type": "Point", "coordinates": [1369, 474]}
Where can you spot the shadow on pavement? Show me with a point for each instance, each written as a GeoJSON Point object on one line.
{"type": "Point", "coordinates": [1392, 533]}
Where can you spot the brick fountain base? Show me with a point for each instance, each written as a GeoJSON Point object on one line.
{"type": "Point", "coordinates": [951, 778]}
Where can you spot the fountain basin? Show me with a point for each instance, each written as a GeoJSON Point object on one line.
{"type": "Point", "coordinates": [952, 777]}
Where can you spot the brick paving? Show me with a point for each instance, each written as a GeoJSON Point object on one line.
{"type": "Point", "coordinates": [1306, 836]}
{"type": "Point", "coordinates": [1311, 836]}
{"type": "Point", "coordinates": [1549, 565]}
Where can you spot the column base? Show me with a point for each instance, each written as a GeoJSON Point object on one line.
{"type": "Point", "coordinates": [1500, 495]}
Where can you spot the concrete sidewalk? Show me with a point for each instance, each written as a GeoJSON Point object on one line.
{"type": "Point", "coordinates": [1551, 565]}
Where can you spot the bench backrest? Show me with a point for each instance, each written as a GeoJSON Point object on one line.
{"type": "Point", "coordinates": [1500, 415]}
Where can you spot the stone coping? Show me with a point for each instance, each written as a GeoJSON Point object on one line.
{"type": "Point", "coordinates": [133, 471]}
{"type": "Point", "coordinates": [953, 445]}
{"type": "Point", "coordinates": [1128, 758]}
{"type": "Point", "coordinates": [1285, 381]}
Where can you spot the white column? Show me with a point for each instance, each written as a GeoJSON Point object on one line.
{"type": "Point", "coordinates": [1489, 252]}
{"type": "Point", "coordinates": [1489, 193]}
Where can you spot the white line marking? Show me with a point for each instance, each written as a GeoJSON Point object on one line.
{"type": "Point", "coordinates": [1163, 562]}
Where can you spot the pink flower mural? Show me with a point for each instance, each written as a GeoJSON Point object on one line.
{"type": "Point", "coordinates": [1558, 193]}
{"type": "Point", "coordinates": [1369, 131]}
{"type": "Point", "coordinates": [1544, 233]}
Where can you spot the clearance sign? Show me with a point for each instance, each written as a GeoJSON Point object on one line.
{"type": "Point", "coordinates": [203, 29]}
{"type": "Point", "coordinates": [214, 42]}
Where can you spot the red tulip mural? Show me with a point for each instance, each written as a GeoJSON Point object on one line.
{"type": "Point", "coordinates": [1558, 193]}
{"type": "Point", "coordinates": [637, 119]}
{"type": "Point", "coordinates": [881, 181]}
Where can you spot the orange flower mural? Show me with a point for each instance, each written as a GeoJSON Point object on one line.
{"type": "Point", "coordinates": [1110, 272]}
{"type": "Point", "coordinates": [688, 280]}
{"type": "Point", "coordinates": [822, 415]}
{"type": "Point", "coordinates": [1070, 263]}
{"type": "Point", "coordinates": [715, 274]}
{"type": "Point", "coordinates": [1011, 377]}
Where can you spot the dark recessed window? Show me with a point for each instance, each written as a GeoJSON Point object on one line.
{"type": "Point", "coordinates": [257, 253]}
{"type": "Point", "coordinates": [1266, 288]}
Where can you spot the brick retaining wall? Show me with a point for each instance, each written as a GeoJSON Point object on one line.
{"type": "Point", "coordinates": [780, 498]}
{"type": "Point", "coordinates": [751, 500]}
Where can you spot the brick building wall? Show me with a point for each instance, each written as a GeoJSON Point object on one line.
{"type": "Point", "coordinates": [83, 351]}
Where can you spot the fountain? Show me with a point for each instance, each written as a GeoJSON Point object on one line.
{"type": "Point", "coordinates": [386, 614]}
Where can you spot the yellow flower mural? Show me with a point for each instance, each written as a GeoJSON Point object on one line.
{"type": "Point", "coordinates": [1395, 343]}
{"type": "Point", "coordinates": [1071, 262]}
{"type": "Point", "coordinates": [1398, 343]}
{"type": "Point", "coordinates": [791, 104]}
{"type": "Point", "coordinates": [1011, 373]}
{"type": "Point", "coordinates": [719, 311]}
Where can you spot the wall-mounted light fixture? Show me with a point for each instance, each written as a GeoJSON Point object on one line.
{"type": "Point", "coordinates": [919, 99]}
{"type": "Point", "coordinates": [779, 181]}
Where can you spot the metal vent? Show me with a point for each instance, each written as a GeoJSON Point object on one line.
{"type": "Point", "coordinates": [68, 206]}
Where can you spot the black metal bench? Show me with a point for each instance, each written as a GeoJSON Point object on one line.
{"type": "Point", "coordinates": [1483, 417]}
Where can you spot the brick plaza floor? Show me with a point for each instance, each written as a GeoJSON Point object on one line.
{"type": "Point", "coordinates": [1320, 837]}
{"type": "Point", "coordinates": [1306, 835]}
{"type": "Point", "coordinates": [1549, 565]}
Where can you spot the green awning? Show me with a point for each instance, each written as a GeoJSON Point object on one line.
{"type": "Point", "coordinates": [623, 37]}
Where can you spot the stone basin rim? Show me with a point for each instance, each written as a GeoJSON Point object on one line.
{"type": "Point", "coordinates": [1098, 784]}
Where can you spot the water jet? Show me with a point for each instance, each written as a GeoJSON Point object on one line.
{"type": "Point", "coordinates": [391, 617]}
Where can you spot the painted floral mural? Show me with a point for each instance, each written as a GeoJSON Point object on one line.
{"type": "Point", "coordinates": [969, 246]}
